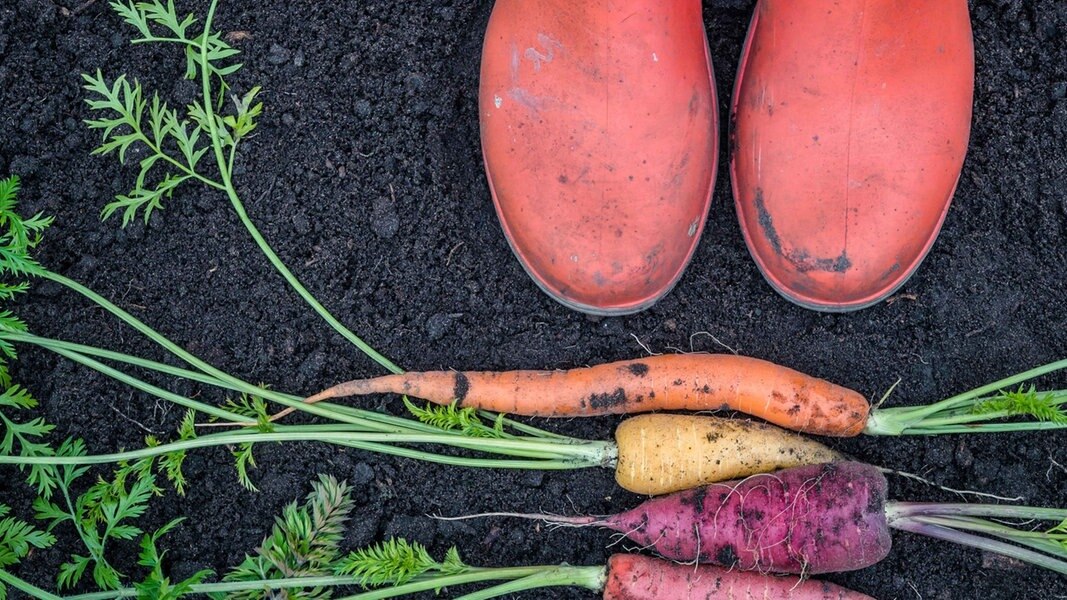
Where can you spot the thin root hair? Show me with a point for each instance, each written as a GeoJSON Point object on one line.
{"type": "Point", "coordinates": [713, 338]}
{"type": "Point", "coordinates": [887, 393]}
{"type": "Point", "coordinates": [549, 519]}
{"type": "Point", "coordinates": [644, 346]}
{"type": "Point", "coordinates": [962, 493]}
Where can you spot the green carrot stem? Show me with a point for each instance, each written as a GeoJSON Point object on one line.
{"type": "Point", "coordinates": [1056, 398]}
{"type": "Point", "coordinates": [474, 463]}
{"type": "Point", "coordinates": [238, 206]}
{"type": "Point", "coordinates": [228, 587]}
{"type": "Point", "coordinates": [470, 575]}
{"type": "Point", "coordinates": [149, 388]}
{"type": "Point", "coordinates": [26, 587]}
{"type": "Point", "coordinates": [79, 353]}
{"type": "Point", "coordinates": [593, 454]}
{"type": "Point", "coordinates": [1050, 543]}
{"type": "Point", "coordinates": [899, 420]}
{"type": "Point", "coordinates": [968, 397]}
{"type": "Point", "coordinates": [981, 428]}
{"type": "Point", "coordinates": [982, 543]}
{"type": "Point", "coordinates": [384, 421]}
{"type": "Point", "coordinates": [302, 291]}
{"type": "Point", "coordinates": [366, 421]}
{"type": "Point", "coordinates": [200, 406]}
{"type": "Point", "coordinates": [139, 325]}
{"type": "Point", "coordinates": [419, 584]}
{"type": "Point", "coordinates": [299, 287]}
{"type": "Point", "coordinates": [592, 578]}
{"type": "Point", "coordinates": [911, 509]}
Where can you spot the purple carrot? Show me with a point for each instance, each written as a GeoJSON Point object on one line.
{"type": "Point", "coordinates": [811, 519]}
{"type": "Point", "coordinates": [815, 519]}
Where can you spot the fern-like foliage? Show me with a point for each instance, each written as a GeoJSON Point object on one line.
{"type": "Point", "coordinates": [454, 418]}
{"type": "Point", "coordinates": [25, 437]}
{"type": "Point", "coordinates": [148, 17]}
{"type": "Point", "coordinates": [170, 464]}
{"type": "Point", "coordinates": [18, 236]}
{"type": "Point", "coordinates": [1023, 402]}
{"type": "Point", "coordinates": [173, 142]}
{"type": "Point", "coordinates": [396, 562]}
{"type": "Point", "coordinates": [305, 541]}
{"type": "Point", "coordinates": [103, 513]}
{"type": "Point", "coordinates": [254, 408]}
{"type": "Point", "coordinates": [100, 515]}
{"type": "Point", "coordinates": [125, 126]}
{"type": "Point", "coordinates": [156, 585]}
{"type": "Point", "coordinates": [243, 460]}
{"type": "Point", "coordinates": [17, 538]}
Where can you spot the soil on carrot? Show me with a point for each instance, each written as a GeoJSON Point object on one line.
{"type": "Point", "coordinates": [366, 176]}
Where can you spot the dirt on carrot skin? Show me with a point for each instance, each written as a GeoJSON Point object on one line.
{"type": "Point", "coordinates": [366, 176]}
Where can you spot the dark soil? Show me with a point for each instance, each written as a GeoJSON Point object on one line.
{"type": "Point", "coordinates": [366, 177]}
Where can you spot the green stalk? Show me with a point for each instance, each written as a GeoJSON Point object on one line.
{"type": "Point", "coordinates": [420, 584]}
{"type": "Point", "coordinates": [592, 578]}
{"type": "Point", "coordinates": [151, 389]}
{"type": "Point", "coordinates": [959, 523]}
{"type": "Point", "coordinates": [144, 329]}
{"type": "Point", "coordinates": [980, 428]}
{"type": "Point", "coordinates": [371, 420]}
{"type": "Point", "coordinates": [1056, 398]}
{"type": "Point", "coordinates": [982, 543]}
{"type": "Point", "coordinates": [912, 509]}
{"type": "Point", "coordinates": [238, 206]}
{"type": "Point", "coordinates": [552, 453]}
{"type": "Point", "coordinates": [228, 587]}
{"type": "Point", "coordinates": [549, 455]}
{"type": "Point", "coordinates": [26, 587]}
{"type": "Point", "coordinates": [338, 413]}
{"type": "Point", "coordinates": [461, 461]}
{"type": "Point", "coordinates": [78, 352]}
{"type": "Point", "coordinates": [951, 415]}
{"type": "Point", "coordinates": [299, 287]}
{"type": "Point", "coordinates": [470, 575]}
{"type": "Point", "coordinates": [1043, 541]}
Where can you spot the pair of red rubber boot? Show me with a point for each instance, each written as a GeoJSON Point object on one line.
{"type": "Point", "coordinates": [600, 130]}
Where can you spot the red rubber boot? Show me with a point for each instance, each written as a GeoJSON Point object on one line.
{"type": "Point", "coordinates": [849, 127]}
{"type": "Point", "coordinates": [599, 130]}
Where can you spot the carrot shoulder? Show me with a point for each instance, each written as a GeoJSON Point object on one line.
{"type": "Point", "coordinates": [694, 382]}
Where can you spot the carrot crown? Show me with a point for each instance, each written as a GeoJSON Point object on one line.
{"type": "Point", "coordinates": [983, 526]}
{"type": "Point", "coordinates": [980, 410]}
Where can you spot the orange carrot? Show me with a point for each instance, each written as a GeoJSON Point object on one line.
{"type": "Point", "coordinates": [691, 382]}
{"type": "Point", "coordinates": [636, 577]}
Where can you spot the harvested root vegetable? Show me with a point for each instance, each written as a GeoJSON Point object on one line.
{"type": "Point", "coordinates": [667, 382]}
{"type": "Point", "coordinates": [663, 453]}
{"type": "Point", "coordinates": [816, 519]}
{"type": "Point", "coordinates": [635, 577]}
{"type": "Point", "coordinates": [700, 382]}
